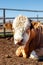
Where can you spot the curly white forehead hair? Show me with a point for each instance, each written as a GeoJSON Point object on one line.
{"type": "Point", "coordinates": [20, 25]}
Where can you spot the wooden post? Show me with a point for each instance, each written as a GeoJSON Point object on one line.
{"type": "Point", "coordinates": [4, 20]}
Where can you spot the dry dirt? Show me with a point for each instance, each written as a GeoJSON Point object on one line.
{"type": "Point", "coordinates": [8, 57]}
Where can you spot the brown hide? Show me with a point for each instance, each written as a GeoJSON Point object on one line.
{"type": "Point", "coordinates": [8, 26]}
{"type": "Point", "coordinates": [35, 24]}
{"type": "Point", "coordinates": [36, 41]}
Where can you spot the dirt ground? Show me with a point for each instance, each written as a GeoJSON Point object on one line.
{"type": "Point", "coordinates": [8, 57]}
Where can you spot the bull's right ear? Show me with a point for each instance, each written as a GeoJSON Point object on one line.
{"type": "Point", "coordinates": [31, 24]}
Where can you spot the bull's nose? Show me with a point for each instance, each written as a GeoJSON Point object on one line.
{"type": "Point", "coordinates": [19, 42]}
{"type": "Point", "coordinates": [22, 40]}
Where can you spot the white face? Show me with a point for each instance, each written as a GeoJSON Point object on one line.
{"type": "Point", "coordinates": [20, 25]}
{"type": "Point", "coordinates": [18, 36]}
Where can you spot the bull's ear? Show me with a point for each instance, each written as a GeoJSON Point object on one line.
{"type": "Point", "coordinates": [31, 24]}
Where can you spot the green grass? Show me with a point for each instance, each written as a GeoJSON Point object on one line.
{"type": "Point", "coordinates": [6, 35]}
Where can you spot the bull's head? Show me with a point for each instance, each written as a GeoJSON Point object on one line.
{"type": "Point", "coordinates": [20, 25]}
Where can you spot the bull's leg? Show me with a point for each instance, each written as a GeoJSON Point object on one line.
{"type": "Point", "coordinates": [21, 51]}
{"type": "Point", "coordinates": [18, 51]}
{"type": "Point", "coordinates": [24, 52]}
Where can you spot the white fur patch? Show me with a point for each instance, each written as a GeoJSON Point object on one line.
{"type": "Point", "coordinates": [33, 55]}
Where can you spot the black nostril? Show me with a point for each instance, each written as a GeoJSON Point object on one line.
{"type": "Point", "coordinates": [22, 40]}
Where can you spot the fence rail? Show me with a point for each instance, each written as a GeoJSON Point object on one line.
{"type": "Point", "coordinates": [29, 17]}
{"type": "Point", "coordinates": [21, 10]}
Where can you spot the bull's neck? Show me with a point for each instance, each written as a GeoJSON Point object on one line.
{"type": "Point", "coordinates": [32, 36]}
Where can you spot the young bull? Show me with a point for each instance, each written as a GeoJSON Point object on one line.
{"type": "Point", "coordinates": [33, 44]}
{"type": "Point", "coordinates": [30, 38]}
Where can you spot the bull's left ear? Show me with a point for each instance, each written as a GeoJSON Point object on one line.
{"type": "Point", "coordinates": [31, 24]}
